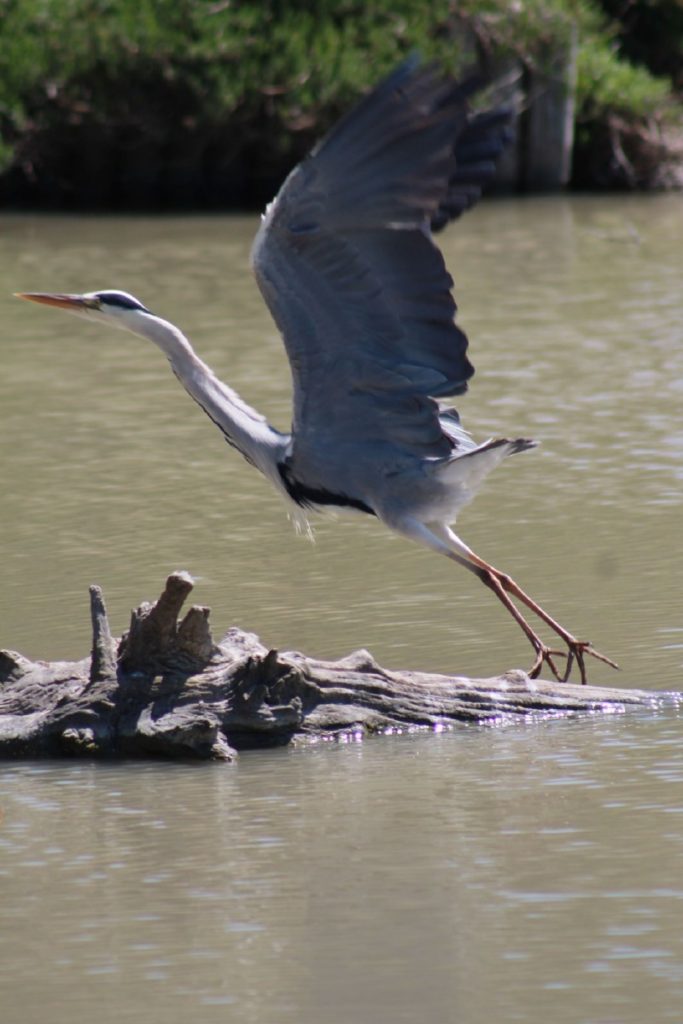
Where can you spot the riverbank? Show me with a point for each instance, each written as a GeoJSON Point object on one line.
{"type": "Point", "coordinates": [177, 105]}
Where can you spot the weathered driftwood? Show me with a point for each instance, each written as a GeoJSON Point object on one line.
{"type": "Point", "coordinates": [166, 689]}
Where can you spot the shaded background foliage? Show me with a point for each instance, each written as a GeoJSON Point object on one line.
{"type": "Point", "coordinates": [167, 103]}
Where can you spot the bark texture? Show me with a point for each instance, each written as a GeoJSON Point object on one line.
{"type": "Point", "coordinates": [166, 689]}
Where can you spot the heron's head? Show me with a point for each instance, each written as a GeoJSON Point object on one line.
{"type": "Point", "coordinates": [116, 308]}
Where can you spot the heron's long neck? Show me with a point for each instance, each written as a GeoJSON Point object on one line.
{"type": "Point", "coordinates": [243, 427]}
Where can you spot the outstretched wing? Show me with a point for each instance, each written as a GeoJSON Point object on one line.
{"type": "Point", "coordinates": [346, 262]}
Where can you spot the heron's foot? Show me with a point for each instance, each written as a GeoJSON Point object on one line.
{"type": "Point", "coordinates": [576, 652]}
{"type": "Point", "coordinates": [545, 656]}
{"type": "Point", "coordinates": [505, 588]}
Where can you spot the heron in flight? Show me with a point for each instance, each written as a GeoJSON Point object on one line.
{"type": "Point", "coordinates": [346, 261]}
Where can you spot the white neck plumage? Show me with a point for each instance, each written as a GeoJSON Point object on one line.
{"type": "Point", "coordinates": [243, 427]}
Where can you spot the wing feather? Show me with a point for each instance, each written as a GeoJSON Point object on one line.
{"type": "Point", "coordinates": [347, 265]}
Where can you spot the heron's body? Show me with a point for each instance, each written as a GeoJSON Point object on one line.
{"type": "Point", "coordinates": [389, 481]}
{"type": "Point", "coordinates": [346, 262]}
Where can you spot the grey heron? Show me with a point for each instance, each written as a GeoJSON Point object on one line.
{"type": "Point", "coordinates": [346, 261]}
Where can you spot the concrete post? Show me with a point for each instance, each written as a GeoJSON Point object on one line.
{"type": "Point", "coordinates": [549, 129]}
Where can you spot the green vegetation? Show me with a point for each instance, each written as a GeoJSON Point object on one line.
{"type": "Point", "coordinates": [606, 81]}
{"type": "Point", "coordinates": [168, 82]}
{"type": "Point", "coordinates": [650, 33]}
{"type": "Point", "coordinates": [186, 66]}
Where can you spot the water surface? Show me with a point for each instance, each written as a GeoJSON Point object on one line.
{"type": "Point", "coordinates": [527, 874]}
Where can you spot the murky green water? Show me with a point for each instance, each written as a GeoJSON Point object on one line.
{"type": "Point", "coordinates": [525, 875]}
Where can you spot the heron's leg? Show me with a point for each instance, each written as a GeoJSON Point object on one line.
{"type": "Point", "coordinates": [576, 649]}
{"type": "Point", "coordinates": [543, 653]}
{"type": "Point", "coordinates": [446, 543]}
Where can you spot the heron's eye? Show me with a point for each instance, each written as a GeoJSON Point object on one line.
{"type": "Point", "coordinates": [92, 303]}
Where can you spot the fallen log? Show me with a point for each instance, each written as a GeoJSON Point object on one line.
{"type": "Point", "coordinates": [165, 688]}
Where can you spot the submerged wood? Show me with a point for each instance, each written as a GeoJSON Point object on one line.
{"type": "Point", "coordinates": [166, 689]}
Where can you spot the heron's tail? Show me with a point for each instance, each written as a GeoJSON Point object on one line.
{"type": "Point", "coordinates": [497, 448]}
{"type": "Point", "coordinates": [520, 444]}
{"type": "Point", "coordinates": [470, 468]}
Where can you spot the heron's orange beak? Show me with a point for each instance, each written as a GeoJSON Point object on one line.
{"type": "Point", "coordinates": [74, 303]}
